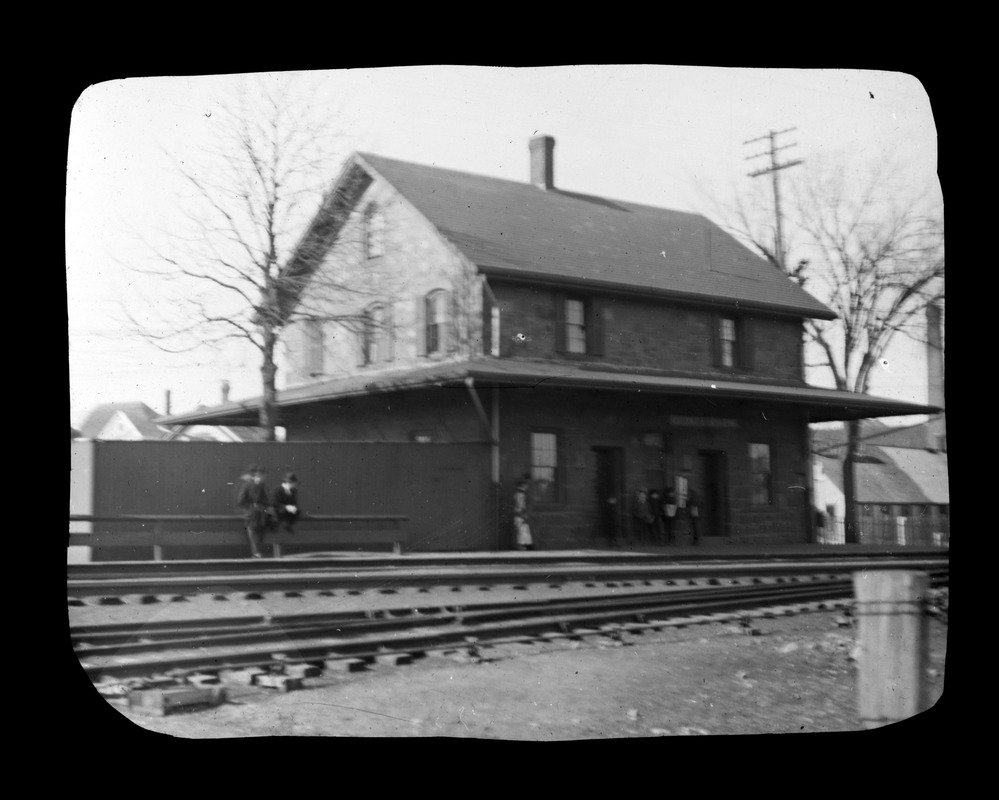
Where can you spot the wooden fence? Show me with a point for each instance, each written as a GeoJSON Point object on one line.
{"type": "Point", "coordinates": [443, 491]}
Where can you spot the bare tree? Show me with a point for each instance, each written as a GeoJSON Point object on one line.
{"type": "Point", "coordinates": [873, 251]}
{"type": "Point", "coordinates": [240, 268]}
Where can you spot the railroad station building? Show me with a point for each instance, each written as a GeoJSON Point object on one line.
{"type": "Point", "coordinates": [598, 345]}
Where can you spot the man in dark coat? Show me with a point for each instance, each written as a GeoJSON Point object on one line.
{"type": "Point", "coordinates": [255, 503]}
{"type": "Point", "coordinates": [286, 502]}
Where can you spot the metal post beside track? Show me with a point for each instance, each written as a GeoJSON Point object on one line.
{"type": "Point", "coordinates": [893, 639]}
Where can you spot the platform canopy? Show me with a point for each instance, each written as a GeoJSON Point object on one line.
{"type": "Point", "coordinates": [821, 405]}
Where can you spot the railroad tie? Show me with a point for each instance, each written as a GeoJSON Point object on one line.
{"type": "Point", "coordinates": [394, 659]}
{"type": "Point", "coordinates": [246, 677]}
{"type": "Point", "coordinates": [160, 702]}
{"type": "Point", "coordinates": [283, 683]}
{"type": "Point", "coordinates": [345, 664]}
{"type": "Point", "coordinates": [302, 670]}
{"type": "Point", "coordinates": [202, 679]}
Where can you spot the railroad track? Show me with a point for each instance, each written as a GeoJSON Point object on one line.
{"type": "Point", "coordinates": [315, 641]}
{"type": "Point", "coordinates": [141, 582]}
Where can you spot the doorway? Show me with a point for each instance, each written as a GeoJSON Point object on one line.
{"type": "Point", "coordinates": [609, 483]}
{"type": "Point", "coordinates": [711, 485]}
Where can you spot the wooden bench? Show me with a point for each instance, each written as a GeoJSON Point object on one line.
{"type": "Point", "coordinates": [160, 530]}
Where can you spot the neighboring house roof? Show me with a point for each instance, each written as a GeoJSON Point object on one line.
{"type": "Point", "coordinates": [522, 231]}
{"type": "Point", "coordinates": [822, 404]}
{"type": "Point", "coordinates": [832, 441]}
{"type": "Point", "coordinates": [104, 418]}
{"type": "Point", "coordinates": [909, 436]}
{"type": "Point", "coordinates": [926, 468]}
{"type": "Point", "coordinates": [828, 439]}
{"type": "Point", "coordinates": [906, 475]}
{"type": "Point", "coordinates": [217, 433]}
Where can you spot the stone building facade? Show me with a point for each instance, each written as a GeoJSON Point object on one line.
{"type": "Point", "coordinates": [599, 347]}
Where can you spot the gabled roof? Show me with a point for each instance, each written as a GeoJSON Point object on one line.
{"type": "Point", "coordinates": [832, 441]}
{"type": "Point", "coordinates": [821, 404]}
{"type": "Point", "coordinates": [925, 468]}
{"type": "Point", "coordinates": [217, 433]}
{"type": "Point", "coordinates": [907, 475]}
{"type": "Point", "coordinates": [521, 231]}
{"type": "Point", "coordinates": [138, 413]}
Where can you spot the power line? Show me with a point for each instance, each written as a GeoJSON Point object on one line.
{"type": "Point", "coordinates": [773, 170]}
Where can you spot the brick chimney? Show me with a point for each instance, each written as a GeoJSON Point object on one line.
{"type": "Point", "coordinates": [543, 162]}
{"type": "Point", "coordinates": [937, 427]}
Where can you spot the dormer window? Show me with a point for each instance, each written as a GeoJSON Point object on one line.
{"type": "Point", "coordinates": [374, 232]}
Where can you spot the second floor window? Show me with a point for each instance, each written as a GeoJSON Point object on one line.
{"type": "Point", "coordinates": [726, 341]}
{"type": "Point", "coordinates": [435, 321]}
{"type": "Point", "coordinates": [578, 328]}
{"type": "Point", "coordinates": [733, 342]}
{"type": "Point", "coordinates": [575, 326]}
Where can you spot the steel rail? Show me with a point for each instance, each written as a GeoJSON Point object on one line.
{"type": "Point", "coordinates": [366, 579]}
{"type": "Point", "coordinates": [324, 561]}
{"type": "Point", "coordinates": [559, 621]}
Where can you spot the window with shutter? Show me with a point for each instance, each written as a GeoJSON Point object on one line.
{"type": "Point", "coordinates": [744, 334]}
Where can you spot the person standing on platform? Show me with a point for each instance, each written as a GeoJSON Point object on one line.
{"type": "Point", "coordinates": [669, 513]}
{"type": "Point", "coordinates": [255, 503]}
{"type": "Point", "coordinates": [286, 502]}
{"type": "Point", "coordinates": [641, 516]}
{"type": "Point", "coordinates": [656, 513]}
{"type": "Point", "coordinates": [521, 515]}
{"type": "Point", "coordinates": [694, 510]}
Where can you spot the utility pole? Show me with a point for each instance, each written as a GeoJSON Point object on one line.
{"type": "Point", "coordinates": [773, 169]}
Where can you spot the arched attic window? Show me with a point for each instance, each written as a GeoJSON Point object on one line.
{"type": "Point", "coordinates": [435, 322]}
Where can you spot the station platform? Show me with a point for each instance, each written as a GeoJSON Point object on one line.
{"type": "Point", "coordinates": [706, 548]}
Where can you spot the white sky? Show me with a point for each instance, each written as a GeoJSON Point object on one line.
{"type": "Point", "coordinates": [651, 134]}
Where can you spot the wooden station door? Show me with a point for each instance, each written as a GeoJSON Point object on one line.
{"type": "Point", "coordinates": [712, 487]}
